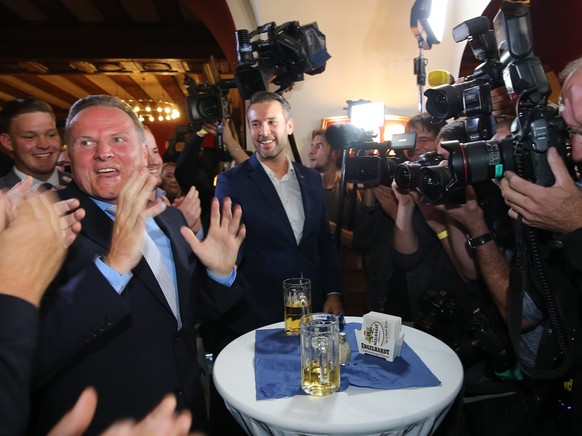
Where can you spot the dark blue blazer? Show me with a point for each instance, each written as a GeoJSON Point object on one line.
{"type": "Point", "coordinates": [18, 332]}
{"type": "Point", "coordinates": [270, 252]}
{"type": "Point", "coordinates": [126, 346]}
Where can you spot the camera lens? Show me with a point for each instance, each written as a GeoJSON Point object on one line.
{"type": "Point", "coordinates": [432, 183]}
{"type": "Point", "coordinates": [482, 160]}
{"type": "Point", "coordinates": [406, 175]}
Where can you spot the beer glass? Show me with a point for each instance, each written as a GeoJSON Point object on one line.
{"type": "Point", "coordinates": [320, 363]}
{"type": "Point", "coordinates": [297, 302]}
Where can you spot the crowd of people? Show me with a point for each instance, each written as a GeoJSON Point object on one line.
{"type": "Point", "coordinates": [136, 258]}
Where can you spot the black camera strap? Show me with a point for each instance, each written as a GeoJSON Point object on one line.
{"type": "Point", "coordinates": [524, 277]}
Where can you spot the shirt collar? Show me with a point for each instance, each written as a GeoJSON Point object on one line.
{"type": "Point", "coordinates": [53, 179]}
{"type": "Point", "coordinates": [271, 173]}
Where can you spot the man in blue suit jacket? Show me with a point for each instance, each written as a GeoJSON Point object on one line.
{"type": "Point", "coordinates": [105, 321]}
{"type": "Point", "coordinates": [288, 232]}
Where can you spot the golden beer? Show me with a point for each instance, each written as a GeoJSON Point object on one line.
{"type": "Point", "coordinates": [294, 310]}
{"type": "Point", "coordinates": [320, 363]}
{"type": "Point", "coordinates": [320, 380]}
{"type": "Point", "coordinates": [296, 301]}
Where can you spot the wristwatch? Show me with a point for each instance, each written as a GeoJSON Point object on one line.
{"type": "Point", "coordinates": [479, 240]}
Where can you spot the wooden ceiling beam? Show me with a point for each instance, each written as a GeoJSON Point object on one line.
{"type": "Point", "coordinates": [136, 41]}
{"type": "Point", "coordinates": [172, 88]}
{"type": "Point", "coordinates": [54, 10]}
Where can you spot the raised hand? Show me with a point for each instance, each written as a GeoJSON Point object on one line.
{"type": "Point", "coordinates": [218, 251]}
{"type": "Point", "coordinates": [163, 420]}
{"type": "Point", "coordinates": [70, 222]}
{"type": "Point", "coordinates": [190, 207]}
{"type": "Point", "coordinates": [129, 230]}
{"type": "Point", "coordinates": [33, 229]}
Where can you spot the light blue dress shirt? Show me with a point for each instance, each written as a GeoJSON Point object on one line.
{"type": "Point", "coordinates": [119, 281]}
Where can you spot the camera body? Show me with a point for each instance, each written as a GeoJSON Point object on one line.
{"type": "Point", "coordinates": [537, 126]}
{"type": "Point", "coordinates": [376, 169]}
{"type": "Point", "coordinates": [472, 96]}
{"type": "Point", "coordinates": [470, 332]}
{"type": "Point", "coordinates": [289, 51]}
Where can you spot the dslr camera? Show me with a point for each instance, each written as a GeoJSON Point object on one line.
{"type": "Point", "coordinates": [472, 96]}
{"type": "Point", "coordinates": [428, 176]}
{"type": "Point", "coordinates": [536, 127]}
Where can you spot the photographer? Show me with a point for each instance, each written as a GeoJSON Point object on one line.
{"type": "Point", "coordinates": [558, 209]}
{"type": "Point", "coordinates": [198, 166]}
{"type": "Point", "coordinates": [420, 243]}
{"type": "Point", "coordinates": [374, 229]}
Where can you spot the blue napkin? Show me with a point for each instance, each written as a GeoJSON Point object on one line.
{"type": "Point", "coordinates": [278, 366]}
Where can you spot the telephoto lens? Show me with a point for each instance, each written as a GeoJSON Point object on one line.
{"type": "Point", "coordinates": [479, 161]}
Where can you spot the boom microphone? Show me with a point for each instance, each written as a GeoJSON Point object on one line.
{"type": "Point", "coordinates": [440, 77]}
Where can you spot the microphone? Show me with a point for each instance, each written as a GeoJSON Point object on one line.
{"type": "Point", "coordinates": [440, 77]}
{"type": "Point", "coordinates": [342, 135]}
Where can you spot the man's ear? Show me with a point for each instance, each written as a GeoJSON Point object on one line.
{"type": "Point", "coordinates": [145, 155]}
{"type": "Point", "coordinates": [6, 141]}
{"type": "Point", "coordinates": [290, 126]}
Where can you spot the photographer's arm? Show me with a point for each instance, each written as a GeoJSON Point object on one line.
{"type": "Point", "coordinates": [405, 239]}
{"type": "Point", "coordinates": [464, 261]}
{"type": "Point", "coordinates": [187, 161]}
{"type": "Point", "coordinates": [493, 267]}
{"type": "Point", "coordinates": [231, 144]}
{"type": "Point", "coordinates": [452, 238]}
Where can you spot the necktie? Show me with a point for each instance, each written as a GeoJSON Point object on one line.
{"type": "Point", "coordinates": [153, 257]}
{"type": "Point", "coordinates": [43, 187]}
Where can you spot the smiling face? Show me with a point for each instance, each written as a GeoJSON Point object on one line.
{"type": "Point", "coordinates": [425, 141]}
{"type": "Point", "coordinates": [269, 129]}
{"type": "Point", "coordinates": [105, 150]}
{"type": "Point", "coordinates": [35, 142]}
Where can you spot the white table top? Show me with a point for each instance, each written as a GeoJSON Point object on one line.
{"type": "Point", "coordinates": [355, 411]}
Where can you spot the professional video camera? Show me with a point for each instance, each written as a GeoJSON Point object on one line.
{"type": "Point", "coordinates": [472, 96]}
{"type": "Point", "coordinates": [537, 126]}
{"type": "Point", "coordinates": [289, 51]}
{"type": "Point", "coordinates": [207, 102]}
{"type": "Point", "coordinates": [365, 161]}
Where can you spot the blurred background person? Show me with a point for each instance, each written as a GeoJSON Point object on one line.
{"type": "Point", "coordinates": [28, 130]}
{"type": "Point", "coordinates": [169, 183]}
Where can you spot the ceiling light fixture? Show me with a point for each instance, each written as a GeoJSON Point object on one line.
{"type": "Point", "coordinates": [154, 111]}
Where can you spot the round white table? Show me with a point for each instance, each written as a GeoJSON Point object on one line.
{"type": "Point", "coordinates": [355, 411]}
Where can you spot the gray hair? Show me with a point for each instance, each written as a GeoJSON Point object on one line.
{"type": "Point", "coordinates": [267, 97]}
{"type": "Point", "coordinates": [102, 100]}
{"type": "Point", "coordinates": [570, 68]}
